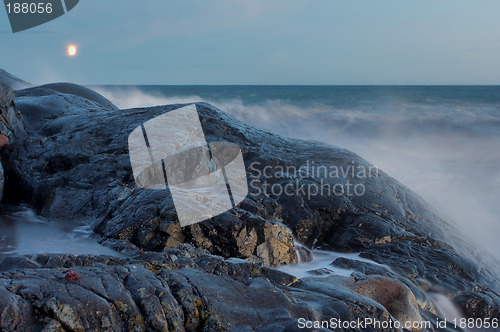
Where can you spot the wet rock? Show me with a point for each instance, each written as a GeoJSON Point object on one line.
{"type": "Point", "coordinates": [123, 246]}
{"type": "Point", "coordinates": [363, 269]}
{"type": "Point", "coordinates": [2, 181]}
{"type": "Point", "coordinates": [229, 303]}
{"type": "Point", "coordinates": [74, 165]}
{"type": "Point", "coordinates": [58, 260]}
{"type": "Point", "coordinates": [444, 269]}
{"type": "Point", "coordinates": [145, 218]}
{"type": "Point", "coordinates": [80, 91]}
{"type": "Point", "coordinates": [9, 263]}
{"type": "Point", "coordinates": [153, 296]}
{"type": "Point", "coordinates": [11, 126]}
{"type": "Point", "coordinates": [333, 300]}
{"type": "Point", "coordinates": [395, 296]}
{"type": "Point", "coordinates": [11, 121]}
{"type": "Point", "coordinates": [479, 304]}
{"type": "Point", "coordinates": [278, 277]}
{"type": "Point", "coordinates": [53, 326]}
{"type": "Point", "coordinates": [129, 294]}
{"type": "Point", "coordinates": [15, 312]}
{"type": "Point", "coordinates": [254, 238]}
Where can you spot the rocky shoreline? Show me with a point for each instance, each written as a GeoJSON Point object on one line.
{"type": "Point", "coordinates": [67, 158]}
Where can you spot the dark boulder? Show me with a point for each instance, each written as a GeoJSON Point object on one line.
{"type": "Point", "coordinates": [366, 270]}
{"type": "Point", "coordinates": [395, 296]}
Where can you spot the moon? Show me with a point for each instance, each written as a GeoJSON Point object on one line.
{"type": "Point", "coordinates": [72, 50]}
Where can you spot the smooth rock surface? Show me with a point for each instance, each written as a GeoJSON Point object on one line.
{"type": "Point", "coordinates": [80, 91]}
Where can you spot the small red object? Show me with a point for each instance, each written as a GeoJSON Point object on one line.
{"type": "Point", "coordinates": [72, 276]}
{"type": "Point", "coordinates": [4, 140]}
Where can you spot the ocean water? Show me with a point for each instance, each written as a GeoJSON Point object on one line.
{"type": "Point", "coordinates": [443, 142]}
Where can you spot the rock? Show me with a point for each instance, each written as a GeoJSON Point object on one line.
{"type": "Point", "coordinates": [121, 246]}
{"type": "Point", "coordinates": [74, 165]}
{"type": "Point", "coordinates": [136, 296]}
{"type": "Point", "coordinates": [395, 296]}
{"type": "Point", "coordinates": [41, 106]}
{"type": "Point", "coordinates": [333, 300]}
{"type": "Point", "coordinates": [154, 298]}
{"type": "Point", "coordinates": [2, 181]}
{"type": "Point", "coordinates": [254, 238]}
{"type": "Point", "coordinates": [479, 303]}
{"type": "Point", "coordinates": [225, 302]}
{"type": "Point", "coordinates": [80, 91]}
{"type": "Point", "coordinates": [427, 263]}
{"type": "Point", "coordinates": [4, 141]}
{"type": "Point", "coordinates": [266, 242]}
{"type": "Point", "coordinates": [15, 312]}
{"type": "Point", "coordinates": [364, 269]}
{"type": "Point", "coordinates": [11, 126]}
{"type": "Point", "coordinates": [53, 326]}
{"type": "Point", "coordinates": [13, 81]}
{"type": "Point", "coordinates": [11, 122]}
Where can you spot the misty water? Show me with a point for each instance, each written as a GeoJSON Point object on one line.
{"type": "Point", "coordinates": [320, 263]}
{"type": "Point", "coordinates": [25, 233]}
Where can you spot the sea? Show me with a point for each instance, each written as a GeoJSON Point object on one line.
{"type": "Point", "coordinates": [443, 142]}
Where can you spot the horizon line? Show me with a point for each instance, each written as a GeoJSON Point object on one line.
{"type": "Point", "coordinates": [289, 85]}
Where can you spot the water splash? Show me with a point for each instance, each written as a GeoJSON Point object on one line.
{"type": "Point", "coordinates": [319, 263]}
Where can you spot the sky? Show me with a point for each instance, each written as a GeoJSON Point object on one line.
{"type": "Point", "coordinates": [261, 42]}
